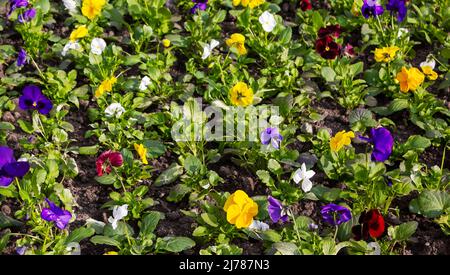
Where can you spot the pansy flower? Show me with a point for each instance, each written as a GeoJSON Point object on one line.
{"type": "Point", "coordinates": [199, 5]}
{"type": "Point", "coordinates": [410, 79]}
{"type": "Point", "coordinates": [382, 141]}
{"type": "Point", "coordinates": [33, 99]}
{"type": "Point", "coordinates": [142, 152]}
{"type": "Point", "coordinates": [241, 95]}
{"type": "Point", "coordinates": [273, 136]}
{"type": "Point", "coordinates": [78, 33]}
{"type": "Point", "coordinates": [335, 214]}
{"type": "Point", "coordinates": [15, 4]}
{"type": "Point", "coordinates": [27, 15]}
{"type": "Point", "coordinates": [277, 212]}
{"type": "Point", "coordinates": [105, 86]}
{"type": "Point", "coordinates": [371, 8]}
{"type": "Point", "coordinates": [340, 140]}
{"type": "Point", "coordinates": [55, 214]}
{"type": "Point", "coordinates": [386, 54]}
{"type": "Point", "coordinates": [9, 167]}
{"type": "Point", "coordinates": [398, 7]}
{"type": "Point", "coordinates": [427, 68]}
{"type": "Point", "coordinates": [92, 8]}
{"type": "Point", "coordinates": [327, 47]}
{"type": "Point", "coordinates": [22, 57]}
{"type": "Point", "coordinates": [119, 212]}
{"type": "Point", "coordinates": [371, 223]}
{"type": "Point", "coordinates": [332, 30]}
{"type": "Point", "coordinates": [106, 160]}
{"type": "Point", "coordinates": [250, 3]}
{"type": "Point", "coordinates": [240, 209]}
{"type": "Point", "coordinates": [303, 175]}
{"type": "Point", "coordinates": [237, 41]}
{"type": "Point", "coordinates": [305, 5]}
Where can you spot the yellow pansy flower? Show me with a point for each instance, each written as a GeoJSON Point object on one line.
{"type": "Point", "coordinates": [166, 43]}
{"type": "Point", "coordinates": [356, 8]}
{"type": "Point", "coordinates": [142, 152]}
{"type": "Point", "coordinates": [240, 209]}
{"type": "Point", "coordinates": [237, 41]}
{"type": "Point", "coordinates": [340, 140]}
{"type": "Point", "coordinates": [386, 54]}
{"type": "Point", "coordinates": [428, 71]}
{"type": "Point", "coordinates": [251, 3]}
{"type": "Point", "coordinates": [92, 8]}
{"type": "Point", "coordinates": [241, 95]}
{"type": "Point", "coordinates": [105, 86]}
{"type": "Point", "coordinates": [78, 33]}
{"type": "Point", "coordinates": [410, 79]}
{"type": "Point", "coordinates": [111, 253]}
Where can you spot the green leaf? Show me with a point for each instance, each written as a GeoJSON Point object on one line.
{"type": "Point", "coordinates": [150, 222]}
{"type": "Point", "coordinates": [88, 150]}
{"type": "Point", "coordinates": [431, 203]}
{"type": "Point", "coordinates": [178, 192]}
{"type": "Point", "coordinates": [192, 164]}
{"type": "Point", "coordinates": [6, 221]}
{"type": "Point", "coordinates": [403, 231]}
{"type": "Point", "coordinates": [155, 148]}
{"type": "Point", "coordinates": [6, 126]}
{"type": "Point", "coordinates": [398, 104]}
{"type": "Point", "coordinates": [328, 74]}
{"type": "Point", "coordinates": [285, 35]}
{"type": "Point", "coordinates": [59, 135]}
{"type": "Point", "coordinates": [106, 179]}
{"type": "Point", "coordinates": [79, 234]}
{"type": "Point", "coordinates": [200, 231]}
{"type": "Point", "coordinates": [274, 166]}
{"type": "Point", "coordinates": [105, 240]}
{"type": "Point", "coordinates": [209, 219]}
{"type": "Point", "coordinates": [26, 126]}
{"type": "Point", "coordinates": [417, 142]}
{"type": "Point", "coordinates": [175, 244]}
{"type": "Point", "coordinates": [169, 175]}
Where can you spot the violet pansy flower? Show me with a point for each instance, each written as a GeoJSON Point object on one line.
{"type": "Point", "coordinates": [276, 210]}
{"type": "Point", "coordinates": [335, 214]}
{"type": "Point", "coordinates": [55, 214]}
{"type": "Point", "coordinates": [273, 136]}
{"type": "Point", "coordinates": [9, 167]}
{"type": "Point", "coordinates": [32, 98]}
{"type": "Point", "coordinates": [382, 141]}
{"type": "Point", "coordinates": [22, 57]}
{"type": "Point", "coordinates": [397, 6]}
{"type": "Point", "coordinates": [28, 15]}
{"type": "Point", "coordinates": [199, 5]}
{"type": "Point", "coordinates": [15, 4]}
{"type": "Point", "coordinates": [371, 8]}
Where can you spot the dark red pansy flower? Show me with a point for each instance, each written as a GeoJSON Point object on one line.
{"type": "Point", "coordinates": [333, 30]}
{"type": "Point", "coordinates": [327, 48]}
{"type": "Point", "coordinates": [371, 223]}
{"type": "Point", "coordinates": [305, 5]}
{"type": "Point", "coordinates": [106, 160]}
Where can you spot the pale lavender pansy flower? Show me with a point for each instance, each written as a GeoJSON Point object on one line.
{"type": "Point", "coordinates": [273, 136]}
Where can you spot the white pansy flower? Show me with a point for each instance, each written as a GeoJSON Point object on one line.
{"type": "Point", "coordinates": [119, 212]}
{"type": "Point", "coordinates": [207, 50]}
{"type": "Point", "coordinates": [70, 46]}
{"type": "Point", "coordinates": [258, 226]}
{"type": "Point", "coordinates": [303, 175]}
{"type": "Point", "coordinates": [144, 83]}
{"type": "Point", "coordinates": [375, 247]}
{"type": "Point", "coordinates": [70, 5]}
{"type": "Point", "coordinates": [267, 21]}
{"type": "Point", "coordinates": [98, 45]}
{"type": "Point", "coordinates": [115, 109]}
{"type": "Point", "coordinates": [429, 62]}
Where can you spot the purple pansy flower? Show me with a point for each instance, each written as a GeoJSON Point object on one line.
{"type": "Point", "coordinates": [15, 4]}
{"type": "Point", "coordinates": [32, 98]}
{"type": "Point", "coordinates": [9, 167]}
{"type": "Point", "coordinates": [199, 5]}
{"type": "Point", "coordinates": [371, 8]}
{"type": "Point", "coordinates": [335, 214]}
{"type": "Point", "coordinates": [271, 135]}
{"type": "Point", "coordinates": [276, 210]}
{"type": "Point", "coordinates": [21, 250]}
{"type": "Point", "coordinates": [383, 142]}
{"type": "Point", "coordinates": [397, 6]}
{"type": "Point", "coordinates": [22, 57]}
{"type": "Point", "coordinates": [27, 15]}
{"type": "Point", "coordinates": [55, 214]}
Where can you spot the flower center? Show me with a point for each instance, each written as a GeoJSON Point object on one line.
{"type": "Point", "coordinates": [34, 104]}
{"type": "Point", "coordinates": [327, 48]}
